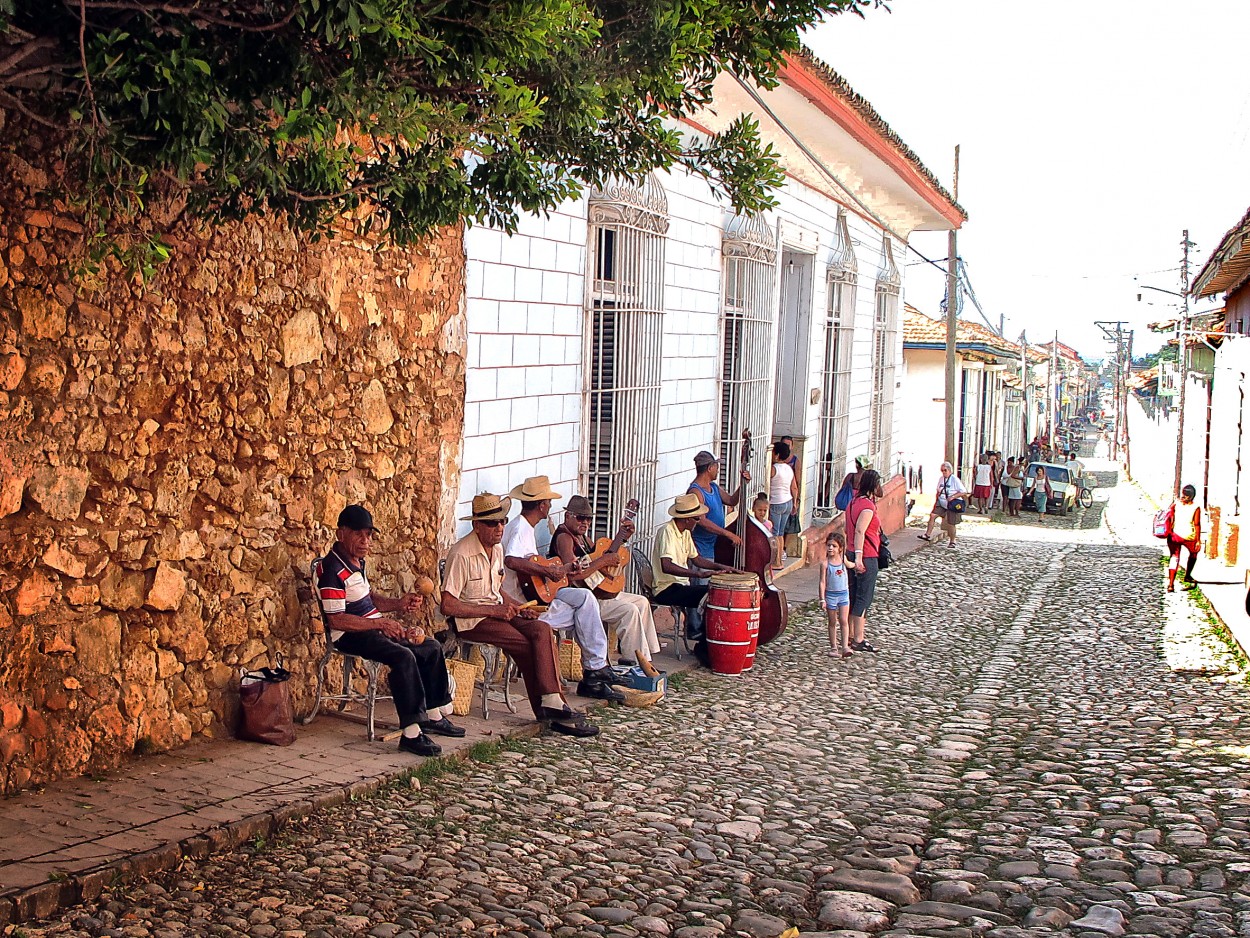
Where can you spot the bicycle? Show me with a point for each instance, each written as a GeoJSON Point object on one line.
{"type": "Point", "coordinates": [1085, 492]}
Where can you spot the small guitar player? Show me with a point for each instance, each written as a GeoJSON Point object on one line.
{"type": "Point", "coordinates": [628, 613]}
{"type": "Point", "coordinates": [573, 608]}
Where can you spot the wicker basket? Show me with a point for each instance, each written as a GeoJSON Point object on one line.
{"type": "Point", "coordinates": [465, 674]}
{"type": "Point", "coordinates": [570, 660]}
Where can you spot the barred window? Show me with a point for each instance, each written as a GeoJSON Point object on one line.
{"type": "Point", "coordinates": [748, 304]}
{"type": "Point", "coordinates": [835, 409]}
{"type": "Point", "coordinates": [884, 345]}
{"type": "Point", "coordinates": [623, 348]}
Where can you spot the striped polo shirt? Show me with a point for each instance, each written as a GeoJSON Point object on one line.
{"type": "Point", "coordinates": [342, 588]}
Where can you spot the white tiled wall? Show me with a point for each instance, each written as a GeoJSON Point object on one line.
{"type": "Point", "coordinates": [524, 304]}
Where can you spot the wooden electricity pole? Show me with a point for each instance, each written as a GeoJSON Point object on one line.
{"type": "Point", "coordinates": [952, 313]}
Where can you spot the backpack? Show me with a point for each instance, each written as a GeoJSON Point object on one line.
{"type": "Point", "coordinates": [1162, 526]}
{"type": "Point", "coordinates": [846, 495]}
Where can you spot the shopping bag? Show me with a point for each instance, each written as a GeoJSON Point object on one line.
{"type": "Point", "coordinates": [267, 716]}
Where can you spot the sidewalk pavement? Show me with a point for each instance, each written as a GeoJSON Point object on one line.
{"type": "Point", "coordinates": [65, 843]}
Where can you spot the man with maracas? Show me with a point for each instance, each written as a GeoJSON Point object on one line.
{"type": "Point", "coordinates": [359, 626]}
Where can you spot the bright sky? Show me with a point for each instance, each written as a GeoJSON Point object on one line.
{"type": "Point", "coordinates": [1091, 135]}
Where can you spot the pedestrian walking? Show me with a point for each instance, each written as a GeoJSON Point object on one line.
{"type": "Point", "coordinates": [865, 533]}
{"type": "Point", "coordinates": [982, 482]}
{"type": "Point", "coordinates": [835, 597]}
{"type": "Point", "coordinates": [948, 487]}
{"type": "Point", "coordinates": [1187, 533]}
{"type": "Point", "coordinates": [996, 479]}
{"type": "Point", "coordinates": [1040, 490]}
{"type": "Point", "coordinates": [1013, 486]}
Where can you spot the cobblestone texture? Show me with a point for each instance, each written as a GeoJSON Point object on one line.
{"type": "Point", "coordinates": [1021, 759]}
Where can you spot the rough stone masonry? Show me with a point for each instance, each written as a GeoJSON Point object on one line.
{"type": "Point", "coordinates": [174, 453]}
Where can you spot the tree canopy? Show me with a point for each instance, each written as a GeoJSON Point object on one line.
{"type": "Point", "coordinates": [403, 115]}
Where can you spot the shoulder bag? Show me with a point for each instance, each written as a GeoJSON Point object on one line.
{"type": "Point", "coordinates": [267, 716]}
{"type": "Point", "coordinates": [884, 557]}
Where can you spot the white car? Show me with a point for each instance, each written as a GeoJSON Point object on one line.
{"type": "Point", "coordinates": [1063, 487]}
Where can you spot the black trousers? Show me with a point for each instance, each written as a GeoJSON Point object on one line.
{"type": "Point", "coordinates": [418, 673]}
{"type": "Point", "coordinates": [689, 597]}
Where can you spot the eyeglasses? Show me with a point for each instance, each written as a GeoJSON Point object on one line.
{"type": "Point", "coordinates": [492, 524]}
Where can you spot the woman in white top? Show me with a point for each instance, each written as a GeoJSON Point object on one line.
{"type": "Point", "coordinates": [783, 489]}
{"type": "Point", "coordinates": [947, 487]}
{"type": "Point", "coordinates": [983, 483]}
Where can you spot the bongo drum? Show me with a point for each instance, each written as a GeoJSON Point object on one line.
{"type": "Point", "coordinates": [732, 622]}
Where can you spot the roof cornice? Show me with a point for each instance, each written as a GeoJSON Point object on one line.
{"type": "Point", "coordinates": [836, 99]}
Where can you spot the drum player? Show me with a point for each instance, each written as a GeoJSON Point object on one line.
{"type": "Point", "coordinates": [676, 561]}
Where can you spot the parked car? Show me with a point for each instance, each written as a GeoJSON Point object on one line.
{"type": "Point", "coordinates": [1062, 486]}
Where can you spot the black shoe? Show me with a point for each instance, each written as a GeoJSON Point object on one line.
{"type": "Point", "coordinates": [606, 675]}
{"type": "Point", "coordinates": [864, 646]}
{"type": "Point", "coordinates": [442, 727]}
{"type": "Point", "coordinates": [420, 745]}
{"type": "Point", "coordinates": [626, 663]}
{"type": "Point", "coordinates": [569, 722]}
{"type": "Point", "coordinates": [600, 690]}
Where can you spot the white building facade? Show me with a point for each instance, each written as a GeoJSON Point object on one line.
{"type": "Point", "coordinates": [612, 340]}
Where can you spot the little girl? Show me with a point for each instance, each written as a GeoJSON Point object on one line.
{"type": "Point", "coordinates": [835, 598]}
{"type": "Point", "coordinates": [759, 508]}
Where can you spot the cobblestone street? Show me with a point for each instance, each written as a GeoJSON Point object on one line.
{"type": "Point", "coordinates": [1032, 753]}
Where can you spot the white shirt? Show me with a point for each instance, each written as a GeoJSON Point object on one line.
{"type": "Point", "coordinates": [779, 484]}
{"type": "Point", "coordinates": [984, 473]}
{"type": "Point", "coordinates": [951, 485]}
{"type": "Point", "coordinates": [518, 541]}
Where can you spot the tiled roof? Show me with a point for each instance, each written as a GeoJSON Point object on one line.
{"type": "Point", "coordinates": [922, 330]}
{"type": "Point", "coordinates": [842, 88]}
{"type": "Point", "coordinates": [1229, 265]}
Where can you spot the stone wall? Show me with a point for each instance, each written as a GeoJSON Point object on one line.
{"type": "Point", "coordinates": [173, 454]}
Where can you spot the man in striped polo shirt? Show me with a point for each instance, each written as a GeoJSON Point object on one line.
{"type": "Point", "coordinates": [359, 626]}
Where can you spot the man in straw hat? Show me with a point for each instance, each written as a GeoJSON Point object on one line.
{"type": "Point", "coordinates": [359, 626]}
{"type": "Point", "coordinates": [676, 561]}
{"type": "Point", "coordinates": [574, 607]}
{"type": "Point", "coordinates": [628, 613]}
{"type": "Point", "coordinates": [473, 593]}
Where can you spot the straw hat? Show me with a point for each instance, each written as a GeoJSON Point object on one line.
{"type": "Point", "coordinates": [687, 506]}
{"type": "Point", "coordinates": [534, 489]}
{"type": "Point", "coordinates": [488, 507]}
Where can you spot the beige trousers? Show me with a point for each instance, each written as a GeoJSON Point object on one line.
{"type": "Point", "coordinates": [630, 615]}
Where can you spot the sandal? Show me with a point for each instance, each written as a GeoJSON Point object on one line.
{"type": "Point", "coordinates": [926, 537]}
{"type": "Point", "coordinates": [848, 654]}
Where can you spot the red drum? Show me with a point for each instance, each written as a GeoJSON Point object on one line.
{"type": "Point", "coordinates": [732, 622]}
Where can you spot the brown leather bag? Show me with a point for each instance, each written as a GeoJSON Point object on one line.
{"type": "Point", "coordinates": [266, 712]}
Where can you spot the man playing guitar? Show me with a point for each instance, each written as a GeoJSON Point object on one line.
{"type": "Point", "coordinates": [628, 613]}
{"type": "Point", "coordinates": [573, 607]}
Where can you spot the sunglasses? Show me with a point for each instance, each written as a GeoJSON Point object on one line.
{"type": "Point", "coordinates": [493, 524]}
{"type": "Point", "coordinates": [584, 517]}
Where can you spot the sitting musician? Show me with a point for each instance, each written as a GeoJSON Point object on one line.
{"type": "Point", "coordinates": [708, 491]}
{"type": "Point", "coordinates": [473, 593]}
{"type": "Point", "coordinates": [573, 607]}
{"type": "Point", "coordinates": [676, 561]}
{"type": "Point", "coordinates": [359, 626]}
{"type": "Point", "coordinates": [628, 613]}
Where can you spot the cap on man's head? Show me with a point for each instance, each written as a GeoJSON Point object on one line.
{"type": "Point", "coordinates": [703, 458]}
{"type": "Point", "coordinates": [356, 518]}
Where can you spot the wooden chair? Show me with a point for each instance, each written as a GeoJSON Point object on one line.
{"type": "Point", "coordinates": [497, 667]}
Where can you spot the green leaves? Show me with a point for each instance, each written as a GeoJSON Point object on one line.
{"type": "Point", "coordinates": [317, 108]}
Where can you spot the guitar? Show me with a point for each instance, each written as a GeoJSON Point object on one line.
{"type": "Point", "coordinates": [609, 580]}
{"type": "Point", "coordinates": [539, 588]}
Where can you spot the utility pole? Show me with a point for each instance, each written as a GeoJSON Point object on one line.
{"type": "Point", "coordinates": [952, 313]}
{"type": "Point", "coordinates": [1052, 388]}
{"type": "Point", "coordinates": [1128, 370]}
{"type": "Point", "coordinates": [1114, 331]}
{"type": "Point", "coordinates": [1182, 360]}
{"type": "Point", "coordinates": [1025, 403]}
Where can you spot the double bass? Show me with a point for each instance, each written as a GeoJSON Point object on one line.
{"type": "Point", "coordinates": [755, 555]}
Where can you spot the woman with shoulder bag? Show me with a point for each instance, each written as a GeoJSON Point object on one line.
{"type": "Point", "coordinates": [863, 529]}
{"type": "Point", "coordinates": [948, 489]}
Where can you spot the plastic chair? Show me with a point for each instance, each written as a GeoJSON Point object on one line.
{"type": "Point", "coordinates": [491, 669]}
{"type": "Point", "coordinates": [372, 671]}
{"type": "Point", "coordinates": [646, 581]}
